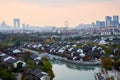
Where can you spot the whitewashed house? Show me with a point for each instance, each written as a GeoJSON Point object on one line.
{"type": "Point", "coordinates": [16, 51]}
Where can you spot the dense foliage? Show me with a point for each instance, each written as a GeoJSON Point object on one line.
{"type": "Point", "coordinates": [107, 63]}
{"type": "Point", "coordinates": [6, 75]}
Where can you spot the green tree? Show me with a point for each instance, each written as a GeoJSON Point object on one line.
{"type": "Point", "coordinates": [19, 65]}
{"type": "Point", "coordinates": [5, 75]}
{"type": "Point", "coordinates": [107, 49]}
{"type": "Point", "coordinates": [26, 56]}
{"type": "Point", "coordinates": [11, 67]}
{"type": "Point", "coordinates": [40, 64]}
{"type": "Point", "coordinates": [47, 66]}
{"type": "Point", "coordinates": [4, 45]}
{"type": "Point", "coordinates": [17, 43]}
{"type": "Point", "coordinates": [44, 58]}
{"type": "Point", "coordinates": [51, 74]}
{"type": "Point", "coordinates": [31, 64]}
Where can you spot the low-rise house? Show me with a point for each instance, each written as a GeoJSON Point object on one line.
{"type": "Point", "coordinates": [67, 46]}
{"type": "Point", "coordinates": [39, 75]}
{"type": "Point", "coordinates": [102, 52]}
{"type": "Point", "coordinates": [2, 54]}
{"type": "Point", "coordinates": [76, 54]}
{"type": "Point", "coordinates": [69, 57]}
{"type": "Point", "coordinates": [93, 48]}
{"type": "Point", "coordinates": [34, 46]}
{"type": "Point", "coordinates": [103, 42]}
{"type": "Point", "coordinates": [15, 62]}
{"type": "Point", "coordinates": [80, 50]}
{"type": "Point", "coordinates": [61, 50]}
{"type": "Point", "coordinates": [100, 48]}
{"type": "Point", "coordinates": [39, 45]}
{"type": "Point", "coordinates": [82, 55]}
{"type": "Point", "coordinates": [5, 58]}
{"type": "Point", "coordinates": [16, 51]}
{"type": "Point", "coordinates": [74, 45]}
{"type": "Point", "coordinates": [18, 61]}
{"type": "Point", "coordinates": [78, 58]}
{"type": "Point", "coordinates": [72, 53]}
{"type": "Point", "coordinates": [35, 57]}
{"type": "Point", "coordinates": [51, 50]}
{"type": "Point", "coordinates": [11, 60]}
{"type": "Point", "coordinates": [87, 49]}
{"type": "Point", "coordinates": [29, 45]}
{"type": "Point", "coordinates": [25, 44]}
{"type": "Point", "coordinates": [70, 49]}
{"type": "Point", "coordinates": [115, 42]}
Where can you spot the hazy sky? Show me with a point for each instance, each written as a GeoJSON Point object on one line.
{"type": "Point", "coordinates": [56, 12]}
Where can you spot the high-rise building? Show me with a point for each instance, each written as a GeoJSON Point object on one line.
{"type": "Point", "coordinates": [16, 23]}
{"type": "Point", "coordinates": [100, 23]}
{"type": "Point", "coordinates": [115, 20]}
{"type": "Point", "coordinates": [108, 21]}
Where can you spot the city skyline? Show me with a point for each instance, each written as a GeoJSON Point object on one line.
{"type": "Point", "coordinates": [109, 21]}
{"type": "Point", "coordinates": [56, 12]}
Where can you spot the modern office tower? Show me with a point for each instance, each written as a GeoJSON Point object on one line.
{"type": "Point", "coordinates": [16, 23]}
{"type": "Point", "coordinates": [115, 20]}
{"type": "Point", "coordinates": [100, 23]}
{"type": "Point", "coordinates": [108, 21]}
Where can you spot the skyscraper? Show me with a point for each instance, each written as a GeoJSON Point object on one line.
{"type": "Point", "coordinates": [116, 20]}
{"type": "Point", "coordinates": [16, 23]}
{"type": "Point", "coordinates": [108, 21]}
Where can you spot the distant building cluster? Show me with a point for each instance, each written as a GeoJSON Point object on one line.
{"type": "Point", "coordinates": [17, 25]}
{"type": "Point", "coordinates": [112, 21]}
{"type": "Point", "coordinates": [110, 25]}
{"type": "Point", "coordinates": [109, 22]}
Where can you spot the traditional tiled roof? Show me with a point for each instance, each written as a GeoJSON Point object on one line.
{"type": "Point", "coordinates": [33, 56]}
{"type": "Point", "coordinates": [37, 73]}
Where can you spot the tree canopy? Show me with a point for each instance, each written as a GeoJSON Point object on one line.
{"type": "Point", "coordinates": [5, 75]}
{"type": "Point", "coordinates": [107, 63]}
